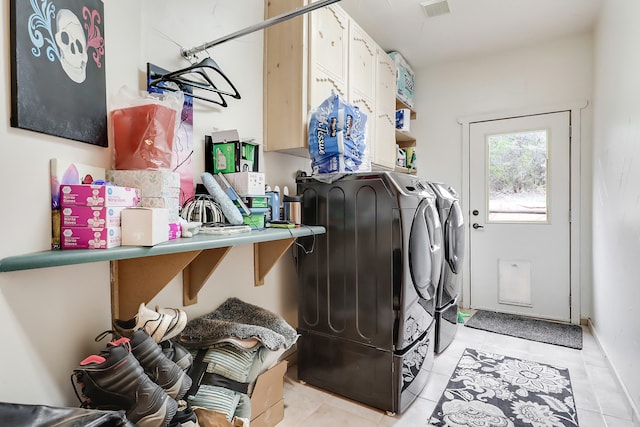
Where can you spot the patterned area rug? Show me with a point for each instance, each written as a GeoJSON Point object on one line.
{"type": "Point", "coordinates": [491, 390]}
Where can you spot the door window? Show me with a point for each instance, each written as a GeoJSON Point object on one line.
{"type": "Point", "coordinates": [517, 177]}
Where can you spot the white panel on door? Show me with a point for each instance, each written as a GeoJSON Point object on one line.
{"type": "Point", "coordinates": [514, 282]}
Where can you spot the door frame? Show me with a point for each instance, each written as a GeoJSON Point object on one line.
{"type": "Point", "coordinates": [574, 202]}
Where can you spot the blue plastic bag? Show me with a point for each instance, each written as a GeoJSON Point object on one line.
{"type": "Point", "coordinates": [337, 141]}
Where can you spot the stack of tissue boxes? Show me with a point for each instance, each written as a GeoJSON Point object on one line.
{"type": "Point", "coordinates": [90, 214]}
{"type": "Point", "coordinates": [159, 188]}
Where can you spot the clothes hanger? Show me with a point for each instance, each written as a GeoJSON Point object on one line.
{"type": "Point", "coordinates": [196, 76]}
{"type": "Point", "coordinates": [194, 79]}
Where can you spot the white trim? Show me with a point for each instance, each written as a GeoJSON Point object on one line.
{"type": "Point", "coordinates": [575, 109]}
{"type": "Point", "coordinates": [634, 409]}
{"type": "Point", "coordinates": [509, 114]}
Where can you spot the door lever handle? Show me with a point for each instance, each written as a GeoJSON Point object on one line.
{"type": "Point", "coordinates": [476, 225]}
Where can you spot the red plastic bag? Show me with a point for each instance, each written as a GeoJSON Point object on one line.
{"type": "Point", "coordinates": [142, 127]}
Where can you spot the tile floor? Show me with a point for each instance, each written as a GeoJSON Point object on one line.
{"type": "Point", "coordinates": [599, 401]}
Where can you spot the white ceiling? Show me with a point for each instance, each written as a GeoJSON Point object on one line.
{"type": "Point", "coordinates": [473, 28]}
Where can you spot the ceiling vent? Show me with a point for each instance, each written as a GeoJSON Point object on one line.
{"type": "Point", "coordinates": [435, 7]}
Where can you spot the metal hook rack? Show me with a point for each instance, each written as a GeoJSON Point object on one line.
{"type": "Point", "coordinates": [189, 53]}
{"type": "Point", "coordinates": [196, 81]}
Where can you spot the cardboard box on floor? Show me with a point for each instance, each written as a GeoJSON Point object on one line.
{"type": "Point", "coordinates": [267, 398]}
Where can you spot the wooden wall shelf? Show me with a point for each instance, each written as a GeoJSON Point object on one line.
{"type": "Point", "coordinates": [140, 273]}
{"type": "Point", "coordinates": [400, 104]}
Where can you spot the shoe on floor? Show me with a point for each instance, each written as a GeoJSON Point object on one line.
{"type": "Point", "coordinates": [157, 366]}
{"type": "Point", "coordinates": [176, 352]}
{"type": "Point", "coordinates": [178, 321]}
{"type": "Point", "coordinates": [160, 324]}
{"type": "Point", "coordinates": [115, 380]}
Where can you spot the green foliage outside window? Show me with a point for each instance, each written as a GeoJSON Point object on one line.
{"type": "Point", "coordinates": [518, 163]}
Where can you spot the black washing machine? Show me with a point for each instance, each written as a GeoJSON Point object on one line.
{"type": "Point", "coordinates": [367, 290]}
{"type": "Point", "coordinates": [448, 290]}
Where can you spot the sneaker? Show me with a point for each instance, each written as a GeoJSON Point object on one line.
{"type": "Point", "coordinates": [178, 321]}
{"type": "Point", "coordinates": [178, 354]}
{"type": "Point", "coordinates": [115, 380]}
{"type": "Point", "coordinates": [161, 325]}
{"type": "Point", "coordinates": [157, 366]}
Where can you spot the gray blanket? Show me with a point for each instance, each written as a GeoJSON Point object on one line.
{"type": "Point", "coordinates": [236, 318]}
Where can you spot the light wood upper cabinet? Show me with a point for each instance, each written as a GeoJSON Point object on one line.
{"type": "Point", "coordinates": [285, 79]}
{"type": "Point", "coordinates": [308, 57]}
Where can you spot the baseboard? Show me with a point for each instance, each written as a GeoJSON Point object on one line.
{"type": "Point", "coordinates": [635, 413]}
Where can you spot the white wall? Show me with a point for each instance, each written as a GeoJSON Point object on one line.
{"type": "Point", "coordinates": [50, 316]}
{"type": "Point", "coordinates": [167, 27]}
{"type": "Point", "coordinates": [552, 74]}
{"type": "Point", "coordinates": [616, 190]}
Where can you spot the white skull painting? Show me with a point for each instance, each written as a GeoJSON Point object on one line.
{"type": "Point", "coordinates": [72, 43]}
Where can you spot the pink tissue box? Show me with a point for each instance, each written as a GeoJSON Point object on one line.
{"type": "Point", "coordinates": [85, 216]}
{"type": "Point", "coordinates": [175, 230]}
{"type": "Point", "coordinates": [98, 195]}
{"type": "Point", "coordinates": [90, 238]}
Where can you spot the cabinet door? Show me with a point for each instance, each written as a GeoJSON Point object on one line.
{"type": "Point", "coordinates": [328, 51]}
{"type": "Point", "coordinates": [367, 107]}
{"type": "Point", "coordinates": [384, 152]}
{"type": "Point", "coordinates": [362, 79]}
{"type": "Point", "coordinates": [285, 50]}
{"type": "Point", "coordinates": [321, 85]}
{"type": "Point", "coordinates": [362, 63]}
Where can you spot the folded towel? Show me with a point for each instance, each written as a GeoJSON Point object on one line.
{"type": "Point", "coordinates": [236, 318]}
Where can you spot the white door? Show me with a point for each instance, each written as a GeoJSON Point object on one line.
{"type": "Point", "coordinates": [519, 204]}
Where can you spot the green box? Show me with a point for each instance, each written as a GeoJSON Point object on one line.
{"type": "Point", "coordinates": [256, 201]}
{"type": "Point", "coordinates": [224, 157]}
{"type": "Point", "coordinates": [230, 156]}
{"type": "Point", "coordinates": [255, 220]}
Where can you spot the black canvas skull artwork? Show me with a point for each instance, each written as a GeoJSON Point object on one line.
{"type": "Point", "coordinates": [58, 68]}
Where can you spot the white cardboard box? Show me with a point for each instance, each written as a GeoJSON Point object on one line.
{"type": "Point", "coordinates": [144, 226]}
{"type": "Point", "coordinates": [403, 119]}
{"type": "Point", "coordinates": [405, 79]}
{"type": "Point", "coordinates": [246, 182]}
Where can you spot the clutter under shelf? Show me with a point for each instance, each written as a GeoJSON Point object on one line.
{"type": "Point", "coordinates": [140, 273]}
